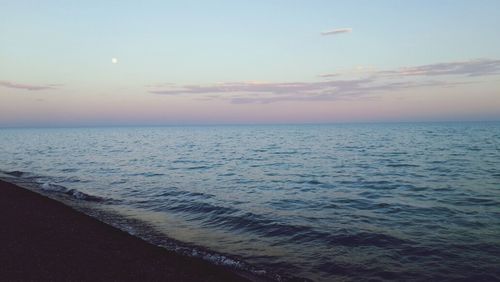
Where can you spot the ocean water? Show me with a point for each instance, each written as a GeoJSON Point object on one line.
{"type": "Point", "coordinates": [326, 202]}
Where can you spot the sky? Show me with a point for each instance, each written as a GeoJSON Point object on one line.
{"type": "Point", "coordinates": [92, 63]}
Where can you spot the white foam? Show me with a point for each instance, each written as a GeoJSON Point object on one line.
{"type": "Point", "coordinates": [46, 186]}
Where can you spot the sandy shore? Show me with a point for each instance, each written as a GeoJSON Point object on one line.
{"type": "Point", "coordinates": [42, 239]}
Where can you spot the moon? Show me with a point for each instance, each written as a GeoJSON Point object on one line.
{"type": "Point", "coordinates": [114, 60]}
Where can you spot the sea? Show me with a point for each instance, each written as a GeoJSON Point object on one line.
{"type": "Point", "coordinates": [338, 202]}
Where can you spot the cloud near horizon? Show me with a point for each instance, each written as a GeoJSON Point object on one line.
{"type": "Point", "coordinates": [334, 89]}
{"type": "Point", "coordinates": [251, 92]}
{"type": "Point", "coordinates": [337, 31]}
{"type": "Point", "coordinates": [30, 87]}
{"type": "Point", "coordinates": [471, 68]}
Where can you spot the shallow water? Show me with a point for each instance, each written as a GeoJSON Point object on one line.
{"type": "Point", "coordinates": [347, 202]}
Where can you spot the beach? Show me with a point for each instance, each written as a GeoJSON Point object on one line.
{"type": "Point", "coordinates": [43, 239]}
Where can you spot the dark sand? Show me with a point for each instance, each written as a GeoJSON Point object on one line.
{"type": "Point", "coordinates": [42, 239]}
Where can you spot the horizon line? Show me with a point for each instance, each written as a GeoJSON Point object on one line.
{"type": "Point", "coordinates": [246, 124]}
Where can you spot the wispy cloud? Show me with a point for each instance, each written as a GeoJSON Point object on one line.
{"type": "Point", "coordinates": [329, 75]}
{"type": "Point", "coordinates": [249, 92]}
{"type": "Point", "coordinates": [336, 87]}
{"type": "Point", "coordinates": [337, 31]}
{"type": "Point", "coordinates": [30, 87]}
{"type": "Point", "coordinates": [472, 68]}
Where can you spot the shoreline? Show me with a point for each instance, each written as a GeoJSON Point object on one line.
{"type": "Point", "coordinates": [44, 239]}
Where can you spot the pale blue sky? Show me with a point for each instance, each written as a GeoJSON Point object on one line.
{"type": "Point", "coordinates": [205, 42]}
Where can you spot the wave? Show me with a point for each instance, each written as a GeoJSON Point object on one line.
{"type": "Point", "coordinates": [41, 184]}
{"type": "Point", "coordinates": [232, 219]}
{"type": "Point", "coordinates": [51, 187]}
{"type": "Point", "coordinates": [15, 173]}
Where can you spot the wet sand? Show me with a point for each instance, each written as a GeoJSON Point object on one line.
{"type": "Point", "coordinates": [42, 239]}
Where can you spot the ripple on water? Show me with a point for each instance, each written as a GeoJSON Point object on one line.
{"type": "Point", "coordinates": [347, 202]}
